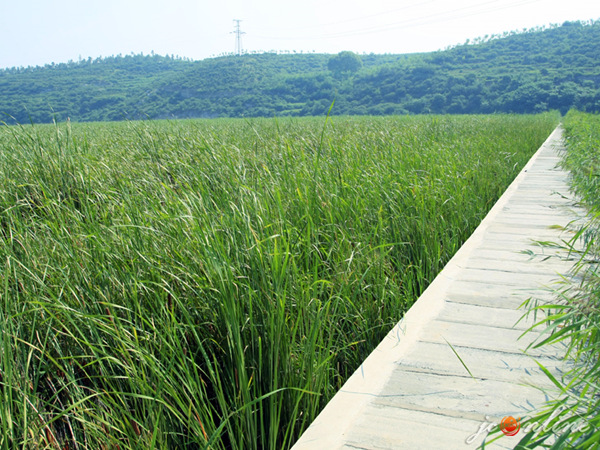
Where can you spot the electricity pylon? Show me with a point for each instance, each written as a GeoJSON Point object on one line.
{"type": "Point", "coordinates": [238, 37]}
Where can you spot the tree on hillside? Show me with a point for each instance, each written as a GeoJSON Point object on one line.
{"type": "Point", "coordinates": [344, 63]}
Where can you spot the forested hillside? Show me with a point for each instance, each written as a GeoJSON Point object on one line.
{"type": "Point", "coordinates": [530, 71]}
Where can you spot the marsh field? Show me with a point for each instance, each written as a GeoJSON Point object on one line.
{"type": "Point", "coordinates": [213, 283]}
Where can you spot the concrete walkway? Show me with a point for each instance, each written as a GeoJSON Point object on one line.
{"type": "Point", "coordinates": [413, 392]}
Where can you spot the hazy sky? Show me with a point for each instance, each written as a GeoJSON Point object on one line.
{"type": "Point", "coordinates": [36, 32]}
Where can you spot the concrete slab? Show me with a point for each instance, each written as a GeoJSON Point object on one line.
{"type": "Point", "coordinates": [491, 316]}
{"type": "Point", "coordinates": [460, 397]}
{"type": "Point", "coordinates": [504, 278]}
{"type": "Point", "coordinates": [493, 260]}
{"type": "Point", "coordinates": [440, 358]}
{"type": "Point", "coordinates": [511, 300]}
{"type": "Point", "coordinates": [377, 426]}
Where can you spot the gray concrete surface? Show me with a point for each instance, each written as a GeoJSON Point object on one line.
{"type": "Point", "coordinates": [413, 392]}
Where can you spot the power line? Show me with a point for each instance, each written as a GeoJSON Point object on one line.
{"type": "Point", "coordinates": [238, 37]}
{"type": "Point", "coordinates": [359, 19]}
{"type": "Point", "coordinates": [443, 16]}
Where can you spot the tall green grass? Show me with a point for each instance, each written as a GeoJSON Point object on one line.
{"type": "Point", "coordinates": [213, 283]}
{"type": "Point", "coordinates": [571, 418]}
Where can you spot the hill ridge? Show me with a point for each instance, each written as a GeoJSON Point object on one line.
{"type": "Point", "coordinates": [525, 72]}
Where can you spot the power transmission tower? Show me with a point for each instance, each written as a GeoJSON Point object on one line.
{"type": "Point", "coordinates": [238, 37]}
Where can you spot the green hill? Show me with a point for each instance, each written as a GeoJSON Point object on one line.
{"type": "Point", "coordinates": [529, 71]}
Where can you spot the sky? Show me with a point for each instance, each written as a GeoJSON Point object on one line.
{"type": "Point", "coordinates": [38, 32]}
